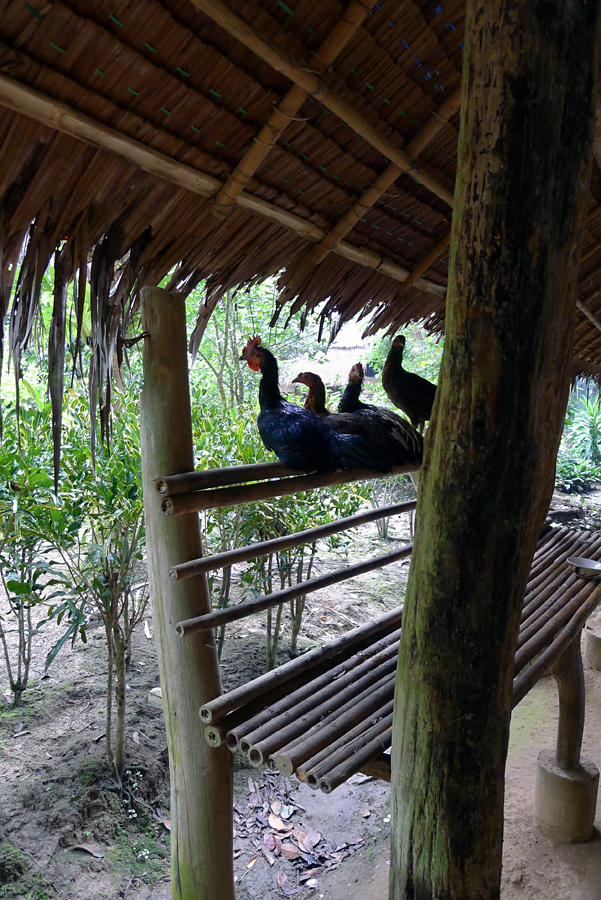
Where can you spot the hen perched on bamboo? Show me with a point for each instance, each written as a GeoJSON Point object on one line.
{"type": "Point", "coordinates": [301, 439]}
{"type": "Point", "coordinates": [408, 391]}
{"type": "Point", "coordinates": [385, 430]}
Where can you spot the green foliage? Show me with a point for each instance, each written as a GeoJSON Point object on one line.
{"type": "Point", "coordinates": [579, 456]}
{"type": "Point", "coordinates": [422, 354]}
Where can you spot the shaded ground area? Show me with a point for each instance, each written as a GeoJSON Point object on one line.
{"type": "Point", "coordinates": [57, 795]}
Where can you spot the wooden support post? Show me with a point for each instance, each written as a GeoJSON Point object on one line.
{"type": "Point", "coordinates": [201, 777]}
{"type": "Point", "coordinates": [530, 82]}
{"type": "Point", "coordinates": [569, 675]}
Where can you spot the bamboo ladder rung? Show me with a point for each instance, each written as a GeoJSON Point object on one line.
{"type": "Point", "coordinates": [276, 545]}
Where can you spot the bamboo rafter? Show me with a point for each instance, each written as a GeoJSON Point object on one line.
{"type": "Point", "coordinates": [313, 86]}
{"type": "Point", "coordinates": [287, 108]}
{"type": "Point", "coordinates": [427, 132]}
{"type": "Point", "coordinates": [63, 118]}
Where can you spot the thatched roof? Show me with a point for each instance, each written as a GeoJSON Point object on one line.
{"type": "Point", "coordinates": [122, 121]}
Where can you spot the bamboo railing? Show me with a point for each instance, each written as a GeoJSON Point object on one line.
{"type": "Point", "coordinates": [177, 504]}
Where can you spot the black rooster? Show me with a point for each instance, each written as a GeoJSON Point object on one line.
{"type": "Point", "coordinates": [393, 436]}
{"type": "Point", "coordinates": [298, 437]}
{"type": "Point", "coordinates": [410, 392]}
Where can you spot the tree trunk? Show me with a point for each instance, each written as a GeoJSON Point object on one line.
{"type": "Point", "coordinates": [201, 777]}
{"type": "Point", "coordinates": [529, 89]}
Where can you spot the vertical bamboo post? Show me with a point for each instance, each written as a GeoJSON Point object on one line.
{"type": "Point", "coordinates": [201, 777]}
{"type": "Point", "coordinates": [569, 675]}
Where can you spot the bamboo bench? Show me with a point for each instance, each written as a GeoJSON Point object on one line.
{"type": "Point", "coordinates": [328, 714]}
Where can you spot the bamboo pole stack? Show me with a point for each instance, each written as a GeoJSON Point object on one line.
{"type": "Point", "coordinates": [328, 714]}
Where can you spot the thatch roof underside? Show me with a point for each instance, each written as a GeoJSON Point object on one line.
{"type": "Point", "coordinates": [136, 113]}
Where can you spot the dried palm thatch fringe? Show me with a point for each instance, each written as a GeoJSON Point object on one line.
{"type": "Point", "coordinates": [181, 88]}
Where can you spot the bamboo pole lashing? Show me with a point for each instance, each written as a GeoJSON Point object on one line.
{"type": "Point", "coordinates": [343, 647]}
{"type": "Point", "coordinates": [63, 118]}
{"type": "Point", "coordinates": [181, 504]}
{"type": "Point", "coordinates": [259, 604]}
{"type": "Point", "coordinates": [288, 757]}
{"type": "Point", "coordinates": [288, 107]}
{"type": "Point", "coordinates": [313, 765]}
{"type": "Point", "coordinates": [250, 37]}
{"type": "Point", "coordinates": [258, 745]}
{"type": "Point", "coordinates": [238, 724]}
{"type": "Point", "coordinates": [276, 545]}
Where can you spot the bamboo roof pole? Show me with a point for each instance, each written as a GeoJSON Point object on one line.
{"type": "Point", "coordinates": [383, 182]}
{"type": "Point", "coordinates": [287, 108]}
{"type": "Point", "coordinates": [429, 258]}
{"type": "Point", "coordinates": [221, 13]}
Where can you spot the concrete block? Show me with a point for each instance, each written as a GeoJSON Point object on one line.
{"type": "Point", "coordinates": [565, 802]}
{"type": "Point", "coordinates": [592, 647]}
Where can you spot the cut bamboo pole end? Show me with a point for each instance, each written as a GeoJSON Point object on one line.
{"type": "Point", "coordinates": [199, 480]}
{"type": "Point", "coordinates": [343, 647]}
{"type": "Point", "coordinates": [276, 545]}
{"type": "Point", "coordinates": [344, 771]}
{"type": "Point", "coordinates": [180, 504]}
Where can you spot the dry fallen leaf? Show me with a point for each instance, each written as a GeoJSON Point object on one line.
{"type": "Point", "coordinates": [251, 786]}
{"type": "Point", "coordinates": [289, 851]}
{"type": "Point", "coordinates": [308, 841]}
{"type": "Point", "coordinates": [285, 811]}
{"type": "Point", "coordinates": [366, 813]}
{"type": "Point", "coordinates": [167, 824]}
{"type": "Point", "coordinates": [276, 823]}
{"type": "Point", "coordinates": [147, 630]}
{"type": "Point", "coordinates": [251, 862]}
{"type": "Point", "coordinates": [269, 841]}
{"type": "Point", "coordinates": [93, 849]}
{"type": "Point", "coordinates": [276, 807]}
{"type": "Point", "coordinates": [135, 737]}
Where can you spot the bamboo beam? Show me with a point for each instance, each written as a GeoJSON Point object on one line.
{"type": "Point", "coordinates": [427, 261]}
{"type": "Point", "coordinates": [287, 108]}
{"type": "Point", "coordinates": [312, 85]}
{"type": "Point", "coordinates": [384, 181]}
{"type": "Point", "coordinates": [342, 647]}
{"type": "Point", "coordinates": [180, 504]}
{"type": "Point", "coordinates": [276, 545]}
{"type": "Point", "coordinates": [589, 315]}
{"type": "Point", "coordinates": [259, 604]}
{"type": "Point", "coordinates": [361, 757]}
{"type": "Point", "coordinates": [63, 118]}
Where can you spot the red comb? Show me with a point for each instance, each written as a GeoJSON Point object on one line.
{"type": "Point", "coordinates": [254, 341]}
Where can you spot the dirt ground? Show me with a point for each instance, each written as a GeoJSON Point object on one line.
{"type": "Point", "coordinates": [65, 832]}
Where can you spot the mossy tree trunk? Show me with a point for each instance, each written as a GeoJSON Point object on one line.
{"type": "Point", "coordinates": [529, 91]}
{"type": "Point", "coordinates": [201, 777]}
